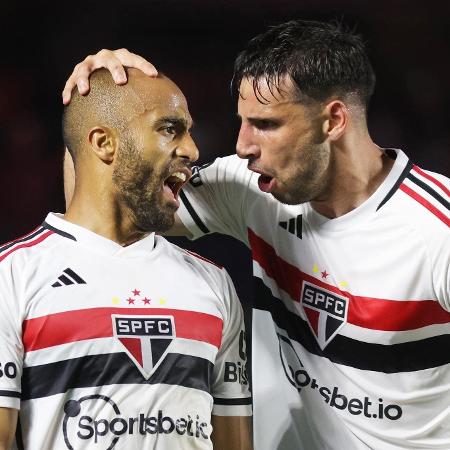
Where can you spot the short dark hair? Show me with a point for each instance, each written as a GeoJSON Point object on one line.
{"type": "Point", "coordinates": [322, 59]}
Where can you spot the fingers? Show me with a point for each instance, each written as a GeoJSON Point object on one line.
{"type": "Point", "coordinates": [129, 59]}
{"type": "Point", "coordinates": [114, 61]}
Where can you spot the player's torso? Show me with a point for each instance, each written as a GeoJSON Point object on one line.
{"type": "Point", "coordinates": [348, 324]}
{"type": "Point", "coordinates": [118, 352]}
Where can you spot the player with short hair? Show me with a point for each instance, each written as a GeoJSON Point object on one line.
{"type": "Point", "coordinates": [110, 336]}
{"type": "Point", "coordinates": [350, 246]}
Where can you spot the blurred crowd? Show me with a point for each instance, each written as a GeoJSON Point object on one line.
{"type": "Point", "coordinates": [195, 43]}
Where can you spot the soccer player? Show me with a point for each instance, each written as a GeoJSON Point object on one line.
{"type": "Point", "coordinates": [350, 245]}
{"type": "Point", "coordinates": [111, 337]}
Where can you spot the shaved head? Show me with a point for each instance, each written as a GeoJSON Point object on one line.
{"type": "Point", "coordinates": [108, 105]}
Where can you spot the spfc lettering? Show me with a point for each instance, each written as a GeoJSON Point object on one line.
{"type": "Point", "coordinates": [326, 312]}
{"type": "Point", "coordinates": [145, 339]}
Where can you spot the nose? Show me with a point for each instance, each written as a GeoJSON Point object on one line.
{"type": "Point", "coordinates": [247, 146]}
{"type": "Point", "coordinates": [187, 149]}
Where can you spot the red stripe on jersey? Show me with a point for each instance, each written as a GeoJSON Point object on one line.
{"type": "Point", "coordinates": [204, 259]}
{"type": "Point", "coordinates": [21, 237]}
{"type": "Point", "coordinates": [79, 325]}
{"type": "Point", "coordinates": [431, 178]}
{"type": "Point", "coordinates": [418, 198]}
{"type": "Point", "coordinates": [366, 312]}
{"type": "Point", "coordinates": [27, 244]}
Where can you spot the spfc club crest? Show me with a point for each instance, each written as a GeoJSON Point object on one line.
{"type": "Point", "coordinates": [144, 338]}
{"type": "Point", "coordinates": [326, 312]}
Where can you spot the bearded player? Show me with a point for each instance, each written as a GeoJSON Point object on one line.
{"type": "Point", "coordinates": [110, 337]}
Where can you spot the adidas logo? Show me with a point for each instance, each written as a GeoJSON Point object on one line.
{"type": "Point", "coordinates": [68, 277]}
{"type": "Point", "coordinates": [293, 226]}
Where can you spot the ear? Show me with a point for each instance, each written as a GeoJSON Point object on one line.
{"type": "Point", "coordinates": [337, 116]}
{"type": "Point", "coordinates": [103, 142]}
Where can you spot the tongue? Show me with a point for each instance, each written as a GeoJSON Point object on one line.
{"type": "Point", "coordinates": [265, 183]}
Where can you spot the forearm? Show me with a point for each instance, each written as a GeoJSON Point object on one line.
{"type": "Point", "coordinates": [8, 423]}
{"type": "Point", "coordinates": [231, 433]}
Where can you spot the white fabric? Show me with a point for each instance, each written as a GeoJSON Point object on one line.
{"type": "Point", "coordinates": [351, 328]}
{"type": "Point", "coordinates": [102, 343]}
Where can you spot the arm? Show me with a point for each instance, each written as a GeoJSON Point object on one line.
{"type": "Point", "coordinates": [8, 423]}
{"type": "Point", "coordinates": [114, 61]}
{"type": "Point", "coordinates": [231, 433]}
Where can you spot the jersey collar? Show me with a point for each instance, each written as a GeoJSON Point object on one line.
{"type": "Point", "coordinates": [97, 243]}
{"type": "Point", "coordinates": [375, 202]}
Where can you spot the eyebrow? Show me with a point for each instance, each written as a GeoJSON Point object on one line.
{"type": "Point", "coordinates": [175, 121]}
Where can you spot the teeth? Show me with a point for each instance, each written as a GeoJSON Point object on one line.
{"type": "Point", "coordinates": [180, 175]}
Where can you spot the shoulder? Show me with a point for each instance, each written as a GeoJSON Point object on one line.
{"type": "Point", "coordinates": [424, 199]}
{"type": "Point", "coordinates": [197, 265]}
{"type": "Point", "coordinates": [227, 168]}
{"type": "Point", "coordinates": [25, 246]}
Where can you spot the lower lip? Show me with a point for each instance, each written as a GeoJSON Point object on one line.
{"type": "Point", "coordinates": [265, 186]}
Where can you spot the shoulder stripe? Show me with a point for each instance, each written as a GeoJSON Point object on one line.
{"type": "Point", "coordinates": [31, 243]}
{"type": "Point", "coordinates": [394, 188]}
{"type": "Point", "coordinates": [193, 214]}
{"type": "Point", "coordinates": [418, 198]}
{"type": "Point", "coordinates": [196, 255]}
{"type": "Point", "coordinates": [432, 179]}
{"type": "Point", "coordinates": [57, 231]}
{"type": "Point", "coordinates": [427, 188]}
{"type": "Point", "coordinates": [27, 237]}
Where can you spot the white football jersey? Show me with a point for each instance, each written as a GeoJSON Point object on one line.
{"type": "Point", "coordinates": [104, 346]}
{"type": "Point", "coordinates": [351, 322]}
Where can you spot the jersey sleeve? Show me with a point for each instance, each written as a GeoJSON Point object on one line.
{"type": "Point", "coordinates": [230, 386]}
{"type": "Point", "coordinates": [11, 349]}
{"type": "Point", "coordinates": [216, 198]}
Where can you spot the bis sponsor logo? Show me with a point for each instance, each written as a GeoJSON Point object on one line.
{"type": "Point", "coordinates": [299, 377]}
{"type": "Point", "coordinates": [108, 426]}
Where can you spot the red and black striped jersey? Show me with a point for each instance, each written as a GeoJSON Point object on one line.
{"type": "Point", "coordinates": [351, 322]}
{"type": "Point", "coordinates": [107, 346]}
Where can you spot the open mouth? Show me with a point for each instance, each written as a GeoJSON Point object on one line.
{"type": "Point", "coordinates": [265, 183]}
{"type": "Point", "coordinates": [174, 182]}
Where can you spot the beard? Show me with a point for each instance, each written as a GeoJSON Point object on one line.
{"type": "Point", "coordinates": [308, 179]}
{"type": "Point", "coordinates": [139, 187]}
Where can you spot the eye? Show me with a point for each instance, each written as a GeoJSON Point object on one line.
{"type": "Point", "coordinates": [170, 130]}
{"type": "Point", "coordinates": [264, 124]}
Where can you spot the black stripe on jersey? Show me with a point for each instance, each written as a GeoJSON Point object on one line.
{"type": "Point", "coordinates": [404, 357]}
{"type": "Point", "coordinates": [394, 188]}
{"type": "Point", "coordinates": [114, 368]}
{"type": "Point", "coordinates": [430, 190]}
{"type": "Point", "coordinates": [193, 214]}
{"type": "Point", "coordinates": [57, 231]}
{"type": "Point", "coordinates": [10, 394]}
{"type": "Point", "coordinates": [233, 401]}
{"type": "Point", "coordinates": [24, 239]}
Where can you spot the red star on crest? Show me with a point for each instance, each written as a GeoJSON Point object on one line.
{"type": "Point", "coordinates": [324, 274]}
{"type": "Point", "coordinates": [130, 301]}
{"type": "Point", "coordinates": [136, 292]}
{"type": "Point", "coordinates": [146, 301]}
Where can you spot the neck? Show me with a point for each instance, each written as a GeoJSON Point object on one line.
{"type": "Point", "coordinates": [356, 171]}
{"type": "Point", "coordinates": [98, 211]}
